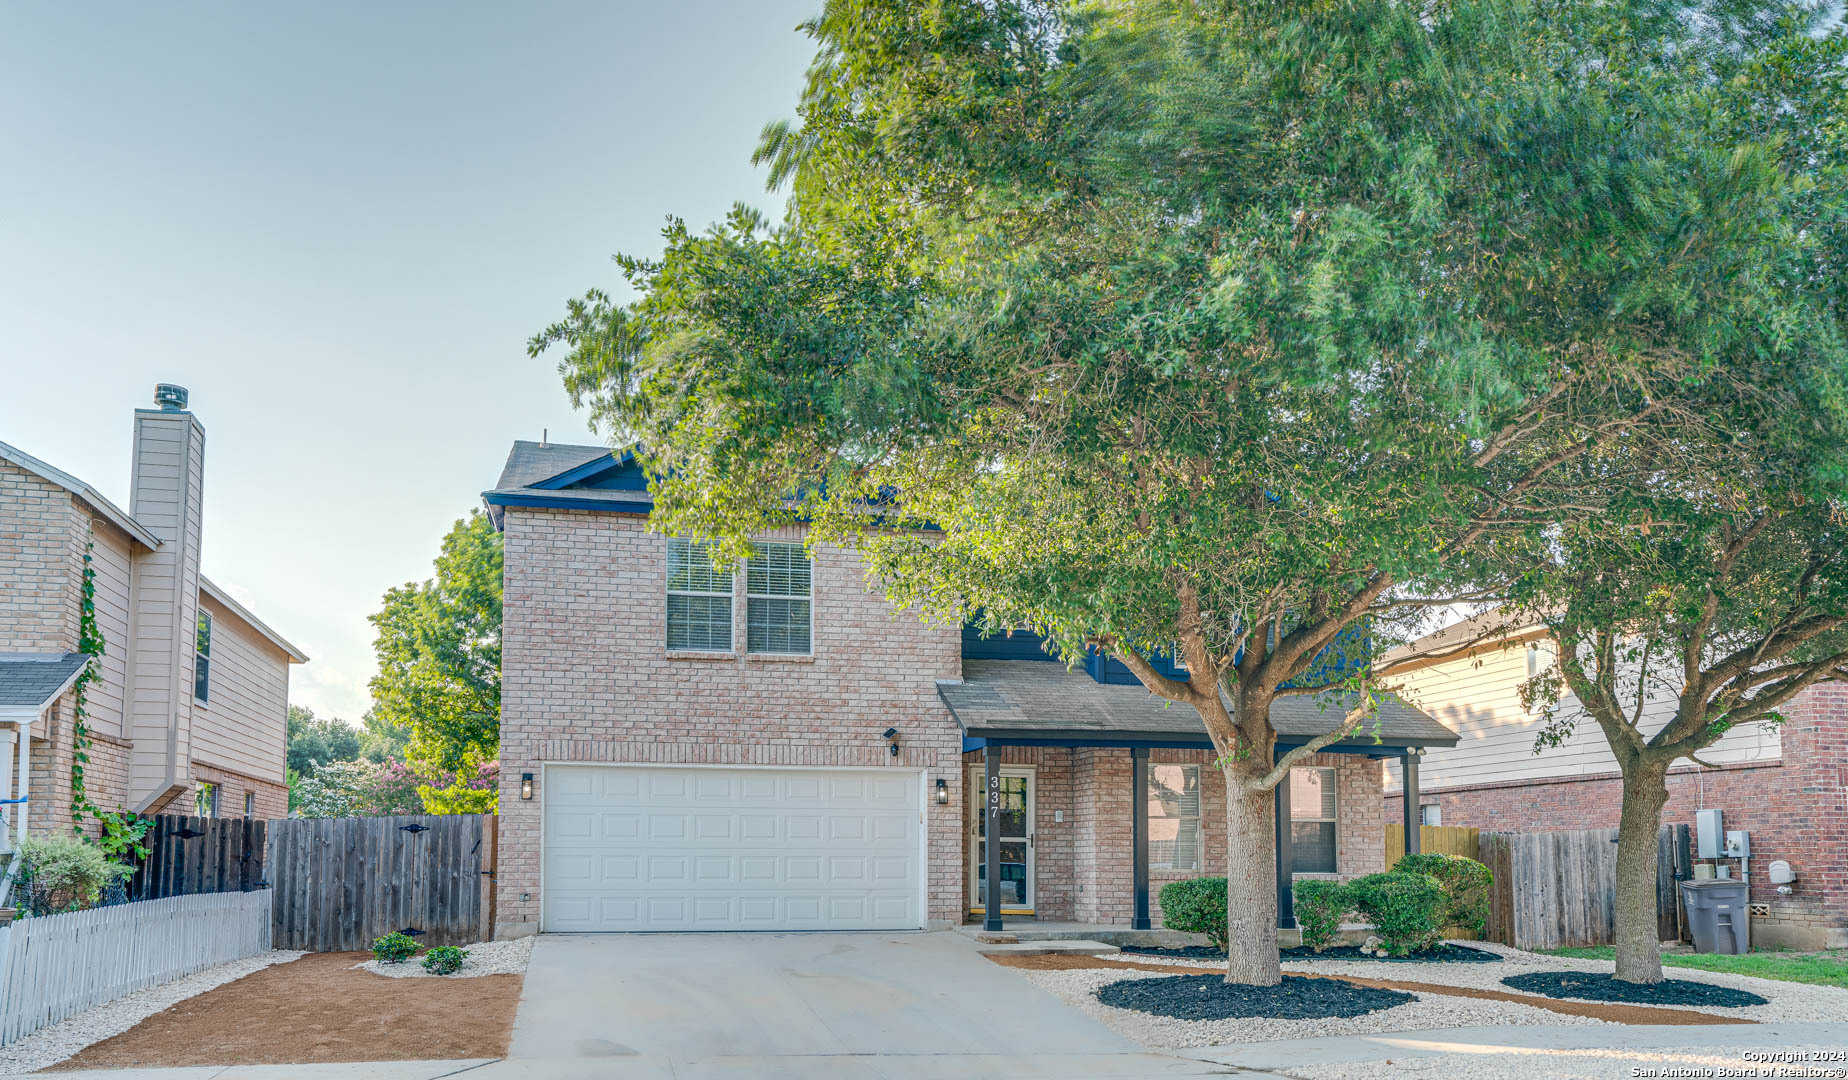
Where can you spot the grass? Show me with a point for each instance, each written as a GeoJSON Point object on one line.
{"type": "Point", "coordinates": [1827, 968]}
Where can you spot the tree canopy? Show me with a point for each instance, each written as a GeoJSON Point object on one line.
{"type": "Point", "coordinates": [1228, 324]}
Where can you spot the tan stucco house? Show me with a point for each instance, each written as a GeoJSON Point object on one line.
{"type": "Point", "coordinates": [188, 709]}
{"type": "Point", "coordinates": [776, 747]}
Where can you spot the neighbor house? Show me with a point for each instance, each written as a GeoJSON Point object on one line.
{"type": "Point", "coordinates": [1787, 787]}
{"type": "Point", "coordinates": [777, 747]}
{"type": "Point", "coordinates": [187, 711]}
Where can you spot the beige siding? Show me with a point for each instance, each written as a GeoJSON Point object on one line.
{"type": "Point", "coordinates": [112, 557]}
{"type": "Point", "coordinates": [1479, 698]}
{"type": "Point", "coordinates": [242, 726]}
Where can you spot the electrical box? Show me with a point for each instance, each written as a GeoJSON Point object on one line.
{"type": "Point", "coordinates": [1709, 835]}
{"type": "Point", "coordinates": [1738, 846]}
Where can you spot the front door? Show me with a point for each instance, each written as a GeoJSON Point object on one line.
{"type": "Point", "coordinates": [1016, 839]}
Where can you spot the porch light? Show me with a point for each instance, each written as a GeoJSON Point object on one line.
{"type": "Point", "coordinates": [943, 793]}
{"type": "Point", "coordinates": [526, 785]}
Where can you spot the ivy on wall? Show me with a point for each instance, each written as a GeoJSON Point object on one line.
{"type": "Point", "coordinates": [120, 833]}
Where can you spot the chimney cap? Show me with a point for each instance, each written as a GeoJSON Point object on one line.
{"type": "Point", "coordinates": [171, 397]}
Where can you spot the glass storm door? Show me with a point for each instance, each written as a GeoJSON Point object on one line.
{"type": "Point", "coordinates": [1016, 839]}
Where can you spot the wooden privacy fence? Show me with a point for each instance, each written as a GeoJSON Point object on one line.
{"type": "Point", "coordinates": [341, 882]}
{"type": "Point", "coordinates": [1552, 889]}
{"type": "Point", "coordinates": [1438, 839]}
{"type": "Point", "coordinates": [189, 855]}
{"type": "Point", "coordinates": [58, 965]}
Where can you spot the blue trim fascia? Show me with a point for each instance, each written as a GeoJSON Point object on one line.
{"type": "Point", "coordinates": [589, 470]}
{"type": "Point", "coordinates": [973, 744]}
{"type": "Point", "coordinates": [567, 502]}
{"type": "Point", "coordinates": [1102, 742]}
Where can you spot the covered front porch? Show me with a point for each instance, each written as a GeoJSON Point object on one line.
{"type": "Point", "coordinates": [1099, 794]}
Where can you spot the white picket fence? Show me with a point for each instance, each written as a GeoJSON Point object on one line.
{"type": "Point", "coordinates": [59, 965]}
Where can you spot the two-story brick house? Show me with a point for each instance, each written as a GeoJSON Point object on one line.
{"type": "Point", "coordinates": [775, 746]}
{"type": "Point", "coordinates": [187, 712]}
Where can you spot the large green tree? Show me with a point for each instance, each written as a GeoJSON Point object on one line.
{"type": "Point", "coordinates": [439, 649]}
{"type": "Point", "coordinates": [314, 741]}
{"type": "Point", "coordinates": [1227, 324]}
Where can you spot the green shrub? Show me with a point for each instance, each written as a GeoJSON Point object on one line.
{"type": "Point", "coordinates": [444, 960]}
{"type": "Point", "coordinates": [394, 948]}
{"type": "Point", "coordinates": [1466, 886]}
{"type": "Point", "coordinates": [1196, 906]}
{"type": "Point", "coordinates": [1406, 910]}
{"type": "Point", "coordinates": [1320, 907]}
{"type": "Point", "coordinates": [64, 873]}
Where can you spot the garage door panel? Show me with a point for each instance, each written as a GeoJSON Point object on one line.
{"type": "Point", "coordinates": [731, 849]}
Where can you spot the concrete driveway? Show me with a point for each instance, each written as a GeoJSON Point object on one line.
{"type": "Point", "coordinates": [800, 1005]}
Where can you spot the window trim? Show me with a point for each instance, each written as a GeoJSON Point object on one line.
{"type": "Point", "coordinates": [202, 657]}
{"type": "Point", "coordinates": [1430, 810]}
{"type": "Point", "coordinates": [1334, 819]}
{"type": "Point", "coordinates": [209, 788]}
{"type": "Point", "coordinates": [668, 591]}
{"type": "Point", "coordinates": [250, 804]}
{"type": "Point", "coordinates": [1198, 814]}
{"type": "Point", "coordinates": [808, 598]}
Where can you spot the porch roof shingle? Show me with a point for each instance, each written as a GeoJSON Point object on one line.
{"type": "Point", "coordinates": [1024, 699]}
{"type": "Point", "coordinates": [34, 680]}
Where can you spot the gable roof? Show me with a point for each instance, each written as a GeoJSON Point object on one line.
{"type": "Point", "coordinates": [1016, 699]}
{"type": "Point", "coordinates": [83, 491]}
{"type": "Point", "coordinates": [224, 599]}
{"type": "Point", "coordinates": [31, 681]}
{"type": "Point", "coordinates": [1497, 628]}
{"type": "Point", "coordinates": [565, 476]}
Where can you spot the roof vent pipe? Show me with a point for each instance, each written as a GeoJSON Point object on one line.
{"type": "Point", "coordinates": [170, 397]}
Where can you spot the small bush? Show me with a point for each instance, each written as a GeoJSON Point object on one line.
{"type": "Point", "coordinates": [1320, 907]}
{"type": "Point", "coordinates": [1407, 910]}
{"type": "Point", "coordinates": [394, 948]}
{"type": "Point", "coordinates": [444, 960]}
{"type": "Point", "coordinates": [64, 873]}
{"type": "Point", "coordinates": [1466, 886]}
{"type": "Point", "coordinates": [1196, 906]}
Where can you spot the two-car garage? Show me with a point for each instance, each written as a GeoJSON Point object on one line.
{"type": "Point", "coordinates": [687, 848]}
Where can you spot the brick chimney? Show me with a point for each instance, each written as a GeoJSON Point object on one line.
{"type": "Point", "coordinates": [166, 495]}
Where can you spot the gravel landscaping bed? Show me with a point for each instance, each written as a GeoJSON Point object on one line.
{"type": "Point", "coordinates": [50, 1045]}
{"type": "Point", "coordinates": [1521, 1063]}
{"type": "Point", "coordinates": [486, 958]}
{"type": "Point", "coordinates": [1598, 986]}
{"type": "Point", "coordinates": [1446, 953]}
{"type": "Point", "coordinates": [1209, 997]}
{"type": "Point", "coordinates": [1079, 988]}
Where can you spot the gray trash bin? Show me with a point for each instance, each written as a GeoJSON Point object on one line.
{"type": "Point", "coordinates": [1717, 915]}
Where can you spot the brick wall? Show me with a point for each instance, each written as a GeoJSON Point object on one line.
{"type": "Point", "coordinates": [272, 799]}
{"type": "Point", "coordinates": [41, 556]}
{"type": "Point", "coordinates": [1082, 866]}
{"type": "Point", "coordinates": [586, 677]}
{"type": "Point", "coordinates": [1795, 809]}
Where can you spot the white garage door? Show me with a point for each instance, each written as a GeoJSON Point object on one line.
{"type": "Point", "coordinates": [650, 848]}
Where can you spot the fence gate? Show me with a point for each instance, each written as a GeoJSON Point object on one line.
{"type": "Point", "coordinates": [341, 882]}
{"type": "Point", "coordinates": [1552, 889]}
{"type": "Point", "coordinates": [190, 855]}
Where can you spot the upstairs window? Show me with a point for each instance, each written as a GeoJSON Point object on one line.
{"type": "Point", "coordinates": [202, 657]}
{"type": "Point", "coordinates": [699, 599]}
{"type": "Point", "coordinates": [1312, 820]}
{"type": "Point", "coordinates": [1174, 817]}
{"type": "Point", "coordinates": [777, 584]}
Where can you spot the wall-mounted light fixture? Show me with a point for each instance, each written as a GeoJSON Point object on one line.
{"type": "Point", "coordinates": [526, 785]}
{"type": "Point", "coordinates": [943, 793]}
{"type": "Point", "coordinates": [891, 735]}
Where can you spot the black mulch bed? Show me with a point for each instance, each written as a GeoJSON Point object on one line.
{"type": "Point", "coordinates": [1210, 997]}
{"type": "Point", "coordinates": [1596, 986]}
{"type": "Point", "coordinates": [1443, 954]}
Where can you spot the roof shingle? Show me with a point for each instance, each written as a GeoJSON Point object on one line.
{"type": "Point", "coordinates": [34, 679]}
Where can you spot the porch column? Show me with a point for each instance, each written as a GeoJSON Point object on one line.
{"type": "Point", "coordinates": [991, 865]}
{"type": "Point", "coordinates": [1286, 888]}
{"type": "Point", "coordinates": [6, 788]}
{"type": "Point", "coordinates": [1139, 834]}
{"type": "Point", "coordinates": [1408, 764]}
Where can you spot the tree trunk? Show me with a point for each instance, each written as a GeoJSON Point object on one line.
{"type": "Point", "coordinates": [1251, 882]}
{"type": "Point", "coordinates": [1639, 953]}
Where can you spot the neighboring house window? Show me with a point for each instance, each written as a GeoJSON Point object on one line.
{"type": "Point", "coordinates": [1312, 820]}
{"type": "Point", "coordinates": [777, 590]}
{"type": "Point", "coordinates": [1430, 814]}
{"type": "Point", "coordinates": [699, 599]}
{"type": "Point", "coordinates": [202, 658]}
{"type": "Point", "coordinates": [205, 799]}
{"type": "Point", "coordinates": [250, 804]}
{"type": "Point", "coordinates": [1174, 817]}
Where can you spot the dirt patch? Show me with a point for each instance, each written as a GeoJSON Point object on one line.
{"type": "Point", "coordinates": [319, 1008]}
{"type": "Point", "coordinates": [1617, 1014]}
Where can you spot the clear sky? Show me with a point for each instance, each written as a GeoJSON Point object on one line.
{"type": "Point", "coordinates": [337, 224]}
